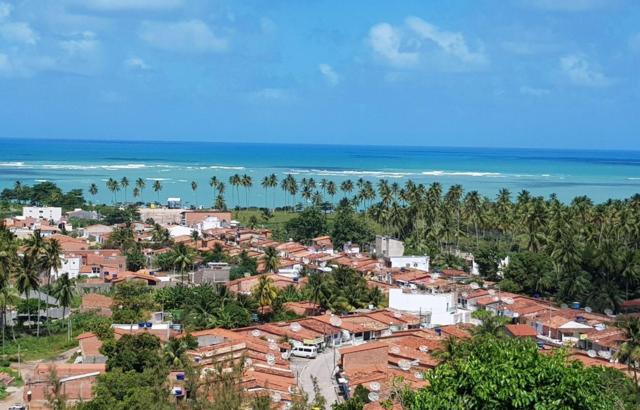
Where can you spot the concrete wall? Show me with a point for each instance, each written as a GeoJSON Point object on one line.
{"type": "Point", "coordinates": [414, 262]}
{"type": "Point", "coordinates": [388, 247]}
{"type": "Point", "coordinates": [46, 213]}
{"type": "Point", "coordinates": [442, 306]}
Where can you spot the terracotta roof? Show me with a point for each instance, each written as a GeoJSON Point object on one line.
{"type": "Point", "coordinates": [521, 330]}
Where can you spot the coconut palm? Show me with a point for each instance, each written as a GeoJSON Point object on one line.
{"type": "Point", "coordinates": [194, 188]}
{"type": "Point", "coordinates": [157, 187]}
{"type": "Point", "coordinates": [140, 184]}
{"type": "Point", "coordinates": [135, 192]}
{"type": "Point", "coordinates": [113, 186]}
{"type": "Point", "coordinates": [271, 259]}
{"type": "Point", "coordinates": [264, 292]}
{"type": "Point", "coordinates": [64, 291]}
{"type": "Point", "coordinates": [27, 280]}
{"type": "Point", "coordinates": [346, 186]}
{"type": "Point", "coordinates": [266, 184]}
{"type": "Point", "coordinates": [331, 189]}
{"type": "Point", "coordinates": [182, 258]}
{"type": "Point", "coordinates": [629, 351]}
{"type": "Point", "coordinates": [124, 183]}
{"type": "Point", "coordinates": [93, 190]}
{"type": "Point", "coordinates": [247, 182]}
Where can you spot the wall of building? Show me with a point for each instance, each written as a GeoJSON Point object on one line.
{"type": "Point", "coordinates": [46, 213]}
{"type": "Point", "coordinates": [442, 306]}
{"type": "Point", "coordinates": [388, 247]}
{"type": "Point", "coordinates": [414, 262]}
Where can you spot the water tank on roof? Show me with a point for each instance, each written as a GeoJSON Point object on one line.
{"type": "Point", "coordinates": [575, 305]}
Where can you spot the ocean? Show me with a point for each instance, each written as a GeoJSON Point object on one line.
{"type": "Point", "coordinates": [76, 164]}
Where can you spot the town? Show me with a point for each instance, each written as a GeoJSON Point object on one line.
{"type": "Point", "coordinates": [244, 320]}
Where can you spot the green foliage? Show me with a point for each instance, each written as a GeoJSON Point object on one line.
{"type": "Point", "coordinates": [243, 264]}
{"type": "Point", "coordinates": [341, 290]}
{"type": "Point", "coordinates": [135, 259]}
{"type": "Point", "coordinates": [350, 227]}
{"type": "Point", "coordinates": [309, 224]}
{"type": "Point", "coordinates": [529, 273]}
{"type": "Point", "coordinates": [132, 352]}
{"type": "Point", "coordinates": [132, 302]}
{"type": "Point", "coordinates": [112, 215]}
{"type": "Point", "coordinates": [508, 373]}
{"type": "Point", "coordinates": [44, 194]}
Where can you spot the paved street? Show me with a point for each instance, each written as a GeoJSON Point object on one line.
{"type": "Point", "coordinates": [320, 367]}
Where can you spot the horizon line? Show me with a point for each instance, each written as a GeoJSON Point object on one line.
{"type": "Point", "coordinates": [143, 140]}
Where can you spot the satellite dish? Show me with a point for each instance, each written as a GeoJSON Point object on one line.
{"type": "Point", "coordinates": [248, 362]}
{"type": "Point", "coordinates": [495, 298]}
{"type": "Point", "coordinates": [273, 346]}
{"type": "Point", "coordinates": [608, 312]}
{"type": "Point", "coordinates": [474, 286]}
{"type": "Point", "coordinates": [397, 315]}
{"type": "Point", "coordinates": [423, 348]}
{"type": "Point", "coordinates": [600, 327]}
{"type": "Point", "coordinates": [592, 353]}
{"type": "Point", "coordinates": [404, 365]}
{"type": "Point", "coordinates": [485, 285]}
{"type": "Point", "coordinates": [374, 386]}
{"type": "Point", "coordinates": [285, 355]}
{"type": "Point", "coordinates": [418, 375]}
{"type": "Point", "coordinates": [276, 397]}
{"type": "Point", "coordinates": [373, 396]}
{"type": "Point", "coordinates": [492, 292]}
{"type": "Point", "coordinates": [295, 326]}
{"type": "Point", "coordinates": [465, 294]}
{"type": "Point", "coordinates": [605, 354]}
{"type": "Point", "coordinates": [508, 301]}
{"type": "Point", "coordinates": [255, 333]}
{"type": "Point", "coordinates": [588, 309]}
{"type": "Point", "coordinates": [335, 320]}
{"type": "Point", "coordinates": [394, 350]}
{"type": "Point", "coordinates": [271, 359]}
{"type": "Point", "coordinates": [564, 306]}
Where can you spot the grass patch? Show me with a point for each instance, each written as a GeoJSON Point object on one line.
{"type": "Point", "coordinates": [38, 348]}
{"type": "Point", "coordinates": [17, 378]}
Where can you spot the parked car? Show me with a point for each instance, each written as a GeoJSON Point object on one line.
{"type": "Point", "coordinates": [309, 352]}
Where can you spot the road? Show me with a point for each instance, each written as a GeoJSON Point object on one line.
{"type": "Point", "coordinates": [320, 367]}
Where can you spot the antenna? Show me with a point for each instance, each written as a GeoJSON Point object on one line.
{"type": "Point", "coordinates": [394, 350]}
{"type": "Point", "coordinates": [418, 375]}
{"type": "Point", "coordinates": [256, 333]}
{"type": "Point", "coordinates": [608, 312]}
{"type": "Point", "coordinates": [273, 346]}
{"type": "Point", "coordinates": [592, 353]}
{"type": "Point", "coordinates": [276, 397]}
{"type": "Point", "coordinates": [374, 386]}
{"type": "Point", "coordinates": [373, 396]}
{"type": "Point", "coordinates": [588, 309]}
{"type": "Point", "coordinates": [295, 326]}
{"type": "Point", "coordinates": [404, 365]}
{"type": "Point", "coordinates": [423, 348]}
{"type": "Point", "coordinates": [335, 320]}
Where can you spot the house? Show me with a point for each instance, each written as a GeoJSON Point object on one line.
{"type": "Point", "coordinates": [81, 214]}
{"type": "Point", "coordinates": [76, 383]}
{"type": "Point", "coordinates": [415, 262]}
{"type": "Point", "coordinates": [387, 247]}
{"type": "Point", "coordinates": [192, 218]}
{"type": "Point", "coordinates": [212, 273]}
{"type": "Point", "coordinates": [442, 308]}
{"type": "Point", "coordinates": [90, 349]}
{"type": "Point", "coordinates": [47, 213]}
{"type": "Point", "coordinates": [322, 244]}
{"type": "Point", "coordinates": [521, 331]}
{"type": "Point", "coordinates": [95, 302]}
{"type": "Point", "coordinates": [303, 308]}
{"type": "Point", "coordinates": [96, 233]}
{"type": "Point", "coordinates": [245, 285]}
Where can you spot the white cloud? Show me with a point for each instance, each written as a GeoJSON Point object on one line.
{"type": "Point", "coordinates": [580, 72]}
{"type": "Point", "coordinates": [386, 41]}
{"type": "Point", "coordinates": [187, 36]}
{"type": "Point", "coordinates": [85, 42]}
{"type": "Point", "coordinates": [329, 74]}
{"type": "Point", "coordinates": [533, 91]}
{"type": "Point", "coordinates": [136, 64]}
{"type": "Point", "coordinates": [18, 32]}
{"type": "Point", "coordinates": [116, 5]}
{"type": "Point", "coordinates": [418, 42]}
{"type": "Point", "coordinates": [5, 10]}
{"type": "Point", "coordinates": [568, 5]}
{"type": "Point", "coordinates": [451, 43]}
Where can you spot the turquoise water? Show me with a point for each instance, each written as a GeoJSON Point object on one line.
{"type": "Point", "coordinates": [76, 164]}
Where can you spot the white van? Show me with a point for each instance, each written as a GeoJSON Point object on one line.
{"type": "Point", "coordinates": [310, 352]}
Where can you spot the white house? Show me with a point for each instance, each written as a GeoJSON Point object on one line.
{"type": "Point", "coordinates": [179, 230]}
{"type": "Point", "coordinates": [48, 213]}
{"type": "Point", "coordinates": [70, 265]}
{"type": "Point", "coordinates": [413, 262]}
{"type": "Point", "coordinates": [441, 306]}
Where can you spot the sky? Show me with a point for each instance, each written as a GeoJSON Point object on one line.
{"type": "Point", "coordinates": [501, 73]}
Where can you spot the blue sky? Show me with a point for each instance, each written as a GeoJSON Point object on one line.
{"type": "Point", "coordinates": [513, 73]}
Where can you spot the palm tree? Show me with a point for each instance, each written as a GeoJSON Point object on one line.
{"type": "Point", "coordinates": [64, 291]}
{"type": "Point", "coordinates": [51, 262]}
{"type": "Point", "coordinates": [181, 258]}
{"type": "Point", "coordinates": [346, 186]}
{"type": "Point", "coordinates": [124, 183]}
{"type": "Point", "coordinates": [113, 186]}
{"type": "Point", "coordinates": [140, 184]}
{"type": "Point", "coordinates": [271, 259]}
{"type": "Point", "coordinates": [194, 188]}
{"type": "Point", "coordinates": [273, 183]}
{"type": "Point", "coordinates": [235, 181]}
{"type": "Point", "coordinates": [27, 280]}
{"type": "Point", "coordinates": [213, 183]}
{"type": "Point", "coordinates": [318, 290]}
{"type": "Point", "coordinates": [264, 292]}
{"type": "Point", "coordinates": [247, 183]}
{"type": "Point", "coordinates": [331, 189]}
{"type": "Point", "coordinates": [93, 190]}
{"type": "Point", "coordinates": [266, 184]}
{"type": "Point", "coordinates": [136, 192]}
{"type": "Point", "coordinates": [157, 187]}
{"type": "Point", "coordinates": [629, 351]}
